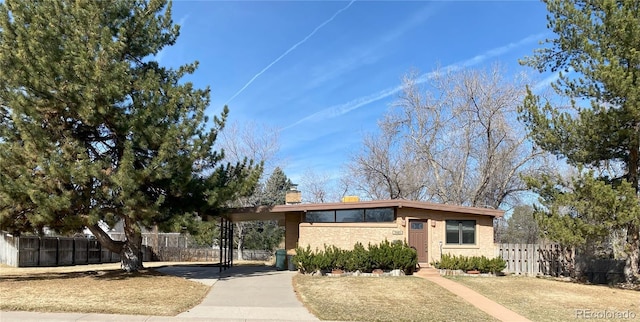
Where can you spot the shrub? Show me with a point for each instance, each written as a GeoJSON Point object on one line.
{"type": "Point", "coordinates": [480, 263]}
{"type": "Point", "coordinates": [335, 257]}
{"type": "Point", "coordinates": [322, 260]}
{"type": "Point", "coordinates": [381, 255]}
{"type": "Point", "coordinates": [496, 265]}
{"type": "Point", "coordinates": [304, 260]}
{"type": "Point", "coordinates": [358, 259]}
{"type": "Point", "coordinates": [403, 257]}
{"type": "Point", "coordinates": [396, 255]}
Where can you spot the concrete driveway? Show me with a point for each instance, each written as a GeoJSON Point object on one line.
{"type": "Point", "coordinates": [244, 293]}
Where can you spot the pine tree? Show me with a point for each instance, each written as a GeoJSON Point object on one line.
{"type": "Point", "coordinates": [522, 227]}
{"type": "Point", "coordinates": [94, 130]}
{"type": "Point", "coordinates": [597, 52]}
{"type": "Point", "coordinates": [275, 189]}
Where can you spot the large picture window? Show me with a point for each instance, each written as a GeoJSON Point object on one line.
{"type": "Point", "coordinates": [321, 216]}
{"type": "Point", "coordinates": [352, 215]}
{"type": "Point", "coordinates": [379, 215]}
{"type": "Point", "coordinates": [461, 232]}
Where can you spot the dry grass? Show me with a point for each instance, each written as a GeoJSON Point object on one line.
{"type": "Point", "coordinates": [100, 288]}
{"type": "Point", "coordinates": [382, 299]}
{"type": "Point", "coordinates": [6, 270]}
{"type": "Point", "coordinates": [550, 300]}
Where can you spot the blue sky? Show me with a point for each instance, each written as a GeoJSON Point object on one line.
{"type": "Point", "coordinates": [325, 72]}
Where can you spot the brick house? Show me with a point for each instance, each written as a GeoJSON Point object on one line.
{"type": "Point", "coordinates": [433, 229]}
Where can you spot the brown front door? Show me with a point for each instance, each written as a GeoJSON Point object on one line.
{"type": "Point", "coordinates": [418, 238]}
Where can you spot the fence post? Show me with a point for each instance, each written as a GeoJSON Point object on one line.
{"type": "Point", "coordinates": [17, 243]}
{"type": "Point", "coordinates": [57, 251]}
{"type": "Point", "coordinates": [531, 251]}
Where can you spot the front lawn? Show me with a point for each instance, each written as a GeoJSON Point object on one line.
{"type": "Point", "coordinates": [542, 299]}
{"type": "Point", "coordinates": [96, 289]}
{"type": "Point", "coordinates": [382, 299]}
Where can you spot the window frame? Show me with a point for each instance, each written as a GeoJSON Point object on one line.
{"type": "Point", "coordinates": [336, 215]}
{"type": "Point", "coordinates": [460, 230]}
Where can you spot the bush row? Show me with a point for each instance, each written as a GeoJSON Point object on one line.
{"type": "Point", "coordinates": [480, 263]}
{"type": "Point", "coordinates": [385, 256]}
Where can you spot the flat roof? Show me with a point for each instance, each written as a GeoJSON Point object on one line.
{"type": "Point", "coordinates": [278, 212]}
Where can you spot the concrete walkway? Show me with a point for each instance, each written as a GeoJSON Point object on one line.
{"type": "Point", "coordinates": [478, 300]}
{"type": "Point", "coordinates": [251, 293]}
{"type": "Point", "coordinates": [242, 293]}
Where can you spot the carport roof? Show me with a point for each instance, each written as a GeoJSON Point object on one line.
{"type": "Point", "coordinates": [278, 212]}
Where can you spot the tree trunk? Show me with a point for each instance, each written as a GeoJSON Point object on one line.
{"type": "Point", "coordinates": [240, 247]}
{"type": "Point", "coordinates": [131, 254]}
{"type": "Point", "coordinates": [240, 229]}
{"type": "Point", "coordinates": [130, 250]}
{"type": "Point", "coordinates": [105, 240]}
{"type": "Point", "coordinates": [632, 266]}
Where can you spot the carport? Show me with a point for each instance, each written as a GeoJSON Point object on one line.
{"type": "Point", "coordinates": [235, 215]}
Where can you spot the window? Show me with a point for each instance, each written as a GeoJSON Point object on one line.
{"type": "Point", "coordinates": [320, 216]}
{"type": "Point", "coordinates": [379, 215]}
{"type": "Point", "coordinates": [461, 232]}
{"type": "Point", "coordinates": [351, 215]}
{"type": "Point", "coordinates": [417, 225]}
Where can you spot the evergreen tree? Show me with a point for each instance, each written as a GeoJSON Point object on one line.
{"type": "Point", "coordinates": [597, 55]}
{"type": "Point", "coordinates": [275, 189]}
{"type": "Point", "coordinates": [522, 227]}
{"type": "Point", "coordinates": [94, 130]}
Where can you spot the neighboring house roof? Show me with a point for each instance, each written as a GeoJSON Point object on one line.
{"type": "Point", "coordinates": [277, 212]}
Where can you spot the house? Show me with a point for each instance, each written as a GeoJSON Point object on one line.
{"type": "Point", "coordinates": [433, 229]}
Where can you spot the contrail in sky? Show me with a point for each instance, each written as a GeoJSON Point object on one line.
{"type": "Point", "coordinates": [546, 82]}
{"type": "Point", "coordinates": [290, 50]}
{"type": "Point", "coordinates": [338, 110]}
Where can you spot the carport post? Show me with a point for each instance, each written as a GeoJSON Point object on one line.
{"type": "Point", "coordinates": [226, 243]}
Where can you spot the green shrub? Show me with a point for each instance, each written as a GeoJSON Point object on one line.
{"type": "Point", "coordinates": [304, 260]}
{"type": "Point", "coordinates": [358, 259]}
{"type": "Point", "coordinates": [396, 255]}
{"type": "Point", "coordinates": [322, 261]}
{"type": "Point", "coordinates": [381, 255]}
{"type": "Point", "coordinates": [496, 265]}
{"type": "Point", "coordinates": [403, 257]}
{"type": "Point", "coordinates": [480, 263]}
{"type": "Point", "coordinates": [335, 257]}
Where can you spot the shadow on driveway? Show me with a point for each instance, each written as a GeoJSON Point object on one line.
{"type": "Point", "coordinates": [200, 271]}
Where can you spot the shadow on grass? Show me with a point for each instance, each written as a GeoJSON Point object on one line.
{"type": "Point", "coordinates": [116, 274]}
{"type": "Point", "coordinates": [190, 271]}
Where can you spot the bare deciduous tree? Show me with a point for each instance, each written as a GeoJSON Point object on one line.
{"type": "Point", "coordinates": [258, 142]}
{"type": "Point", "coordinates": [321, 187]}
{"type": "Point", "coordinates": [454, 140]}
{"type": "Point", "coordinates": [384, 171]}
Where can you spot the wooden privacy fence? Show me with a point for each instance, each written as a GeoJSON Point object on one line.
{"type": "Point", "coordinates": [538, 259]}
{"type": "Point", "coordinates": [31, 251]}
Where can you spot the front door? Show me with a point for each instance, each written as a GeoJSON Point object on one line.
{"type": "Point", "coordinates": [418, 238]}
